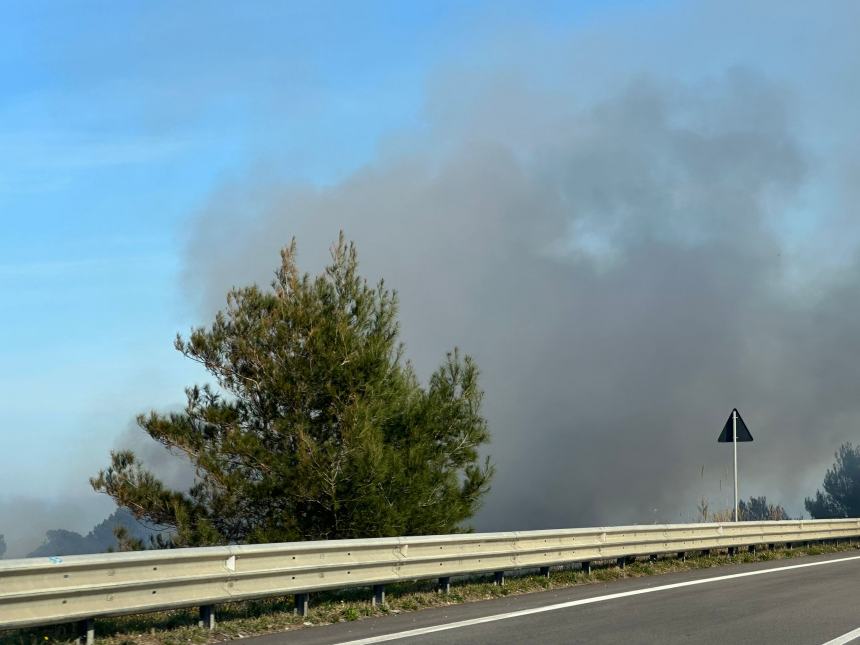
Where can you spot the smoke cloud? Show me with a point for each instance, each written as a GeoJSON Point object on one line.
{"type": "Point", "coordinates": [627, 261]}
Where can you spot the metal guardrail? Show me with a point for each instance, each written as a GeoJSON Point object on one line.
{"type": "Point", "coordinates": [42, 591]}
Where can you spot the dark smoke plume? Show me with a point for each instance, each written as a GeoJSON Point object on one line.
{"type": "Point", "coordinates": [625, 270]}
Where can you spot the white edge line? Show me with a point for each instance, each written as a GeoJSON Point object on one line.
{"type": "Point", "coordinates": [854, 634]}
{"type": "Point", "coordinates": [587, 601]}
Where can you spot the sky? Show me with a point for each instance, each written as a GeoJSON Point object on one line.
{"type": "Point", "coordinates": [636, 215]}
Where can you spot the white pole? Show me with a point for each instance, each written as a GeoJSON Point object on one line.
{"type": "Point", "coordinates": [735, 446]}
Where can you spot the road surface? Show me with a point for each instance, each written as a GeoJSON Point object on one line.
{"type": "Point", "coordinates": [802, 601]}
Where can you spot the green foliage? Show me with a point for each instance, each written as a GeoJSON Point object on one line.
{"type": "Point", "coordinates": [841, 496]}
{"type": "Point", "coordinates": [317, 428]}
{"type": "Point", "coordinates": [125, 541]}
{"type": "Point", "coordinates": [757, 509]}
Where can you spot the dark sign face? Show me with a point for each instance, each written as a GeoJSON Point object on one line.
{"type": "Point", "coordinates": [727, 433]}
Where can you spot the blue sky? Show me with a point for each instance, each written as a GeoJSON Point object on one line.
{"type": "Point", "coordinates": [117, 120]}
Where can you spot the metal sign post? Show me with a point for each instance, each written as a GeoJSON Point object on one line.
{"type": "Point", "coordinates": [739, 432]}
{"type": "Point", "coordinates": [735, 447]}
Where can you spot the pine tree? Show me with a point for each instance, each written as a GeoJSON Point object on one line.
{"type": "Point", "coordinates": [317, 428]}
{"type": "Point", "coordinates": [758, 509]}
{"type": "Point", "coordinates": [841, 496]}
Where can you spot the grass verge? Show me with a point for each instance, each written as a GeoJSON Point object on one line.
{"type": "Point", "coordinates": [253, 618]}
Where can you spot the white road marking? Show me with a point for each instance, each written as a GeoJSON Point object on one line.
{"type": "Point", "coordinates": [588, 601]}
{"type": "Point", "coordinates": [854, 634]}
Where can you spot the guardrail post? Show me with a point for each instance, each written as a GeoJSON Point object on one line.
{"type": "Point", "coordinates": [499, 579]}
{"type": "Point", "coordinates": [445, 584]}
{"type": "Point", "coordinates": [87, 631]}
{"type": "Point", "coordinates": [751, 548]}
{"type": "Point", "coordinates": [682, 556]}
{"type": "Point", "coordinates": [378, 595]}
{"type": "Point", "coordinates": [544, 571]}
{"type": "Point", "coordinates": [207, 617]}
{"type": "Point", "coordinates": [586, 567]}
{"type": "Point", "coordinates": [300, 604]}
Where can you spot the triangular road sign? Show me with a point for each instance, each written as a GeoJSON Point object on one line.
{"type": "Point", "coordinates": [727, 433]}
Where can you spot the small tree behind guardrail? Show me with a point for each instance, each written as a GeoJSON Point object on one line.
{"type": "Point", "coordinates": [841, 496]}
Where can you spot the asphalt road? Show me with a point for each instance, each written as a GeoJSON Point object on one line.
{"type": "Point", "coordinates": [781, 603]}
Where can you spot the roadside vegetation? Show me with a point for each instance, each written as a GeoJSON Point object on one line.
{"type": "Point", "coordinates": [253, 618]}
{"type": "Point", "coordinates": [841, 496]}
{"type": "Point", "coordinates": [316, 427]}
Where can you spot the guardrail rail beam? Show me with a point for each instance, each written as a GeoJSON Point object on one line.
{"type": "Point", "coordinates": [45, 591]}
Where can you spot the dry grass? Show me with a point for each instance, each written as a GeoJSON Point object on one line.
{"type": "Point", "coordinates": [242, 619]}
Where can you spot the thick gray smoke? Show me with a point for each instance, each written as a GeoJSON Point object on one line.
{"type": "Point", "coordinates": [625, 270]}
